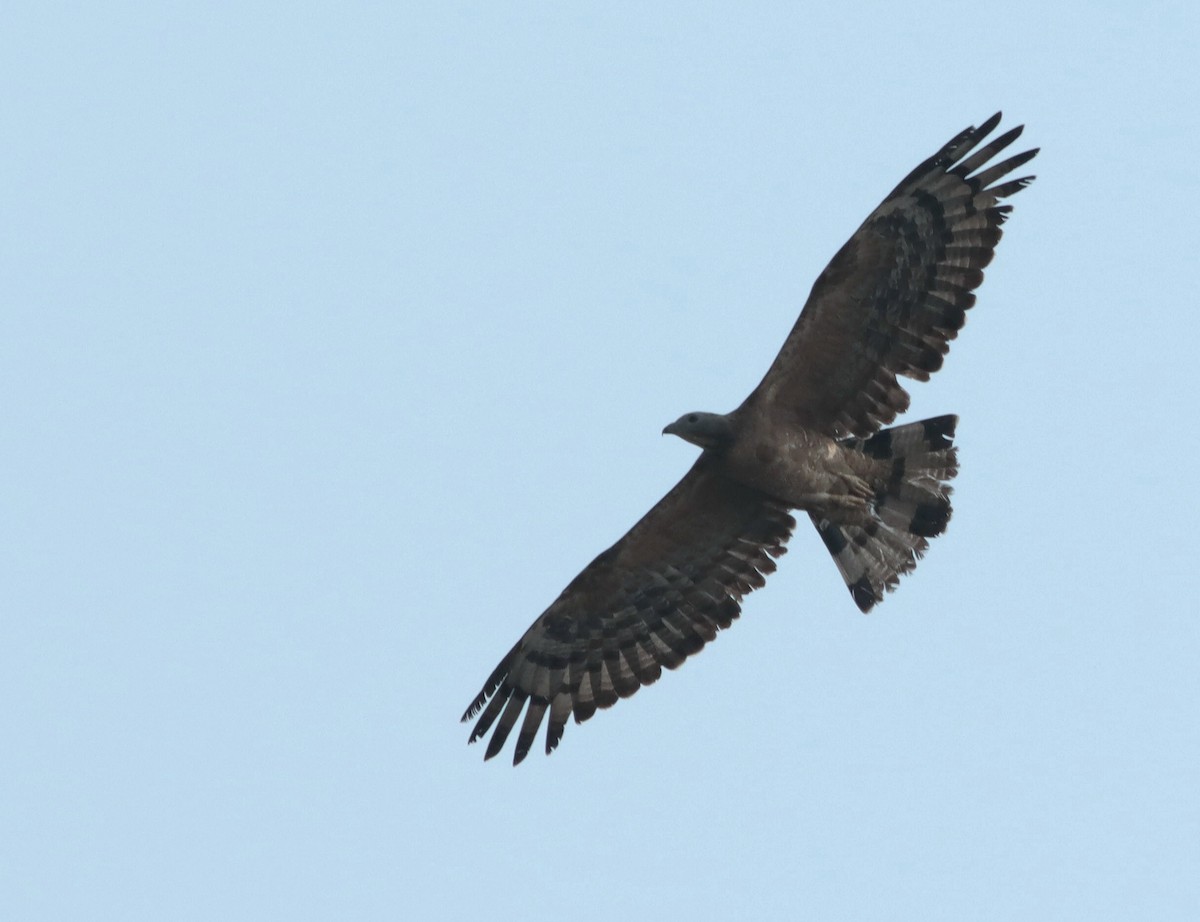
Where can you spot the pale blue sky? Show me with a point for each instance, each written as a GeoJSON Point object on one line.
{"type": "Point", "coordinates": [337, 339]}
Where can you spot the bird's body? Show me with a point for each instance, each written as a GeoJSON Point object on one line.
{"type": "Point", "coordinates": [808, 438]}
{"type": "Point", "coordinates": [803, 468]}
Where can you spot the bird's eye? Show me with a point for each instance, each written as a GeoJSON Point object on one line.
{"type": "Point", "coordinates": [692, 417]}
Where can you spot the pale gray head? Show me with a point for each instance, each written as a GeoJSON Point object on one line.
{"type": "Point", "coordinates": [708, 430]}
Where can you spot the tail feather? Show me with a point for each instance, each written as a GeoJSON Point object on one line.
{"type": "Point", "coordinates": [912, 467]}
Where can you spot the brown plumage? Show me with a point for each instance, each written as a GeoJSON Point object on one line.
{"type": "Point", "coordinates": [808, 437]}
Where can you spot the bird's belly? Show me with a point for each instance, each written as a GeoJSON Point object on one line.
{"type": "Point", "coordinates": [805, 469]}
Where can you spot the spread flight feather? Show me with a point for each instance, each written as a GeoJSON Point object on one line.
{"type": "Point", "coordinates": [809, 437]}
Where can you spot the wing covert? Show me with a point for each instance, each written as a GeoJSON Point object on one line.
{"type": "Point", "coordinates": [896, 293]}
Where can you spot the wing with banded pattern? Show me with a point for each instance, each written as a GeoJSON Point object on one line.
{"type": "Point", "coordinates": [896, 294]}
{"type": "Point", "coordinates": [651, 600]}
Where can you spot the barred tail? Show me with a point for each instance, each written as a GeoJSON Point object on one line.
{"type": "Point", "coordinates": [914, 464]}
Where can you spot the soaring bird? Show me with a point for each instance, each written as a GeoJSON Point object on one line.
{"type": "Point", "coordinates": [807, 438]}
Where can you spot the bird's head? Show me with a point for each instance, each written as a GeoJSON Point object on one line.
{"type": "Point", "coordinates": [708, 430]}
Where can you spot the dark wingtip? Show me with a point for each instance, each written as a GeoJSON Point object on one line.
{"type": "Point", "coordinates": [554, 733]}
{"type": "Point", "coordinates": [990, 123]}
{"type": "Point", "coordinates": [474, 708]}
{"type": "Point", "coordinates": [495, 744]}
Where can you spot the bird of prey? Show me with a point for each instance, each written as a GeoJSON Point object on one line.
{"type": "Point", "coordinates": [807, 438]}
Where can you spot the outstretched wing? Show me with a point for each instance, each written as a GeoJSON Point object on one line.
{"type": "Point", "coordinates": [895, 295]}
{"type": "Point", "coordinates": [651, 600]}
